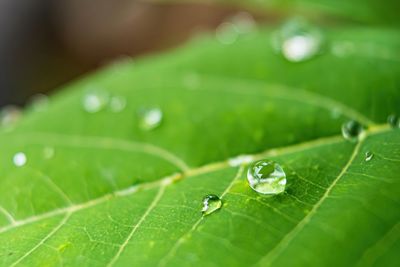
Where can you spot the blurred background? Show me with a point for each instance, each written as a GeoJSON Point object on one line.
{"type": "Point", "coordinates": [46, 43]}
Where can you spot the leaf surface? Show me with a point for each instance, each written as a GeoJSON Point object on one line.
{"type": "Point", "coordinates": [113, 194]}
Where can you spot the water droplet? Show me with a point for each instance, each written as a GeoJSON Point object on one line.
{"type": "Point", "coordinates": [191, 81]}
{"type": "Point", "coordinates": [368, 156]}
{"type": "Point", "coordinates": [95, 100]}
{"type": "Point", "coordinates": [19, 159]}
{"type": "Point", "coordinates": [298, 41]}
{"type": "Point", "coordinates": [394, 121]}
{"type": "Point", "coordinates": [351, 130]}
{"type": "Point", "coordinates": [150, 118]}
{"type": "Point", "coordinates": [227, 33]}
{"type": "Point", "coordinates": [9, 115]}
{"type": "Point", "coordinates": [266, 177]}
{"type": "Point", "coordinates": [39, 102]}
{"type": "Point", "coordinates": [211, 203]}
{"type": "Point", "coordinates": [117, 104]}
{"type": "Point", "coordinates": [244, 22]}
{"type": "Point", "coordinates": [48, 152]}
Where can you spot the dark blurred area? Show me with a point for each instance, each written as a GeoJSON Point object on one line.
{"type": "Point", "coordinates": [45, 43]}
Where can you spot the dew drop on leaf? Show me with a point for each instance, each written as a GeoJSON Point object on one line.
{"type": "Point", "coordinates": [211, 203]}
{"type": "Point", "coordinates": [48, 152]}
{"type": "Point", "coordinates": [394, 121]}
{"type": "Point", "coordinates": [266, 177]}
{"type": "Point", "coordinates": [351, 130]}
{"type": "Point", "coordinates": [39, 102]}
{"type": "Point", "coordinates": [150, 118]}
{"type": "Point", "coordinates": [95, 100]}
{"type": "Point", "coordinates": [298, 41]}
{"type": "Point", "coordinates": [227, 33]}
{"type": "Point", "coordinates": [9, 115]}
{"type": "Point", "coordinates": [117, 104]}
{"type": "Point", "coordinates": [19, 159]}
{"type": "Point", "coordinates": [368, 155]}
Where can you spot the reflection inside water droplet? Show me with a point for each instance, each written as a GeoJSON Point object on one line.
{"type": "Point", "coordinates": [211, 203]}
{"type": "Point", "coordinates": [95, 100]}
{"type": "Point", "coordinates": [368, 156]}
{"type": "Point", "coordinates": [298, 41]}
{"type": "Point", "coordinates": [351, 130]}
{"type": "Point", "coordinates": [150, 118]}
{"type": "Point", "coordinates": [19, 159]}
{"type": "Point", "coordinates": [266, 177]}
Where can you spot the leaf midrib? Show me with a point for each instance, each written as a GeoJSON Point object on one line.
{"type": "Point", "coordinates": [170, 179]}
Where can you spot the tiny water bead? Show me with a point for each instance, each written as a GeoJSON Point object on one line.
{"type": "Point", "coordinates": [117, 104]}
{"type": "Point", "coordinates": [298, 41]}
{"type": "Point", "coordinates": [211, 203]}
{"type": "Point", "coordinates": [266, 177]}
{"type": "Point", "coordinates": [368, 155]}
{"type": "Point", "coordinates": [351, 130]}
{"type": "Point", "coordinates": [9, 115]}
{"type": "Point", "coordinates": [394, 121]}
{"type": "Point", "coordinates": [150, 118]}
{"type": "Point", "coordinates": [227, 33]}
{"type": "Point", "coordinates": [48, 152]}
{"type": "Point", "coordinates": [95, 100]}
{"type": "Point", "coordinates": [39, 102]}
{"type": "Point", "coordinates": [19, 159]}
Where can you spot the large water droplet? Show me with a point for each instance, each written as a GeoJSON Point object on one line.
{"type": "Point", "coordinates": [368, 155]}
{"type": "Point", "coordinates": [351, 130]}
{"type": "Point", "coordinates": [19, 159]}
{"type": "Point", "coordinates": [39, 102]}
{"type": "Point", "coordinates": [298, 41]}
{"type": "Point", "coordinates": [211, 203]}
{"type": "Point", "coordinates": [150, 118]}
{"type": "Point", "coordinates": [95, 100]}
{"type": "Point", "coordinates": [394, 121]}
{"type": "Point", "coordinates": [117, 104]}
{"type": "Point", "coordinates": [266, 177]}
{"type": "Point", "coordinates": [9, 115]}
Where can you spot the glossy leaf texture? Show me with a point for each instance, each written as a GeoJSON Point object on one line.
{"type": "Point", "coordinates": [114, 194]}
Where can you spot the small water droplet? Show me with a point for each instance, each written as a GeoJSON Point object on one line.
{"type": "Point", "coordinates": [19, 159]}
{"type": "Point", "coordinates": [9, 115]}
{"type": "Point", "coordinates": [39, 102]}
{"type": "Point", "coordinates": [191, 81]}
{"type": "Point", "coordinates": [95, 100]}
{"type": "Point", "coordinates": [150, 118]}
{"type": "Point", "coordinates": [244, 22]}
{"type": "Point", "coordinates": [48, 152]}
{"type": "Point", "coordinates": [351, 130]}
{"type": "Point", "coordinates": [227, 33]}
{"type": "Point", "coordinates": [211, 203]}
{"type": "Point", "coordinates": [266, 177]}
{"type": "Point", "coordinates": [394, 121]}
{"type": "Point", "coordinates": [117, 104]}
{"type": "Point", "coordinates": [298, 41]}
{"type": "Point", "coordinates": [368, 155]}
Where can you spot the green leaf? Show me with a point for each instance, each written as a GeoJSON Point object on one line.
{"type": "Point", "coordinates": [113, 194]}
